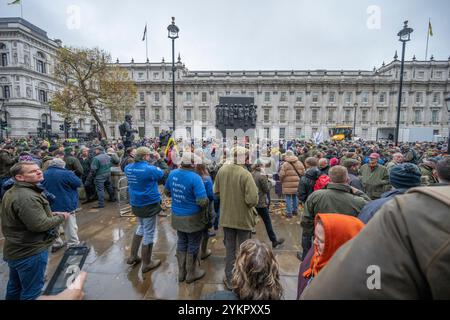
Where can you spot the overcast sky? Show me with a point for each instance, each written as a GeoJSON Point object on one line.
{"type": "Point", "coordinates": [247, 34]}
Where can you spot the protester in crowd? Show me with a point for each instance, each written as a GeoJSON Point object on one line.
{"type": "Point", "coordinates": [7, 160]}
{"type": "Point", "coordinates": [290, 173]}
{"type": "Point", "coordinates": [28, 225]}
{"type": "Point", "coordinates": [323, 166]}
{"type": "Point", "coordinates": [263, 185]}
{"type": "Point", "coordinates": [46, 161]}
{"type": "Point", "coordinates": [72, 163]}
{"type": "Point", "coordinates": [238, 194]}
{"type": "Point", "coordinates": [207, 181]}
{"type": "Point", "coordinates": [128, 158]}
{"type": "Point", "coordinates": [337, 197]}
{"type": "Point", "coordinates": [403, 263]}
{"type": "Point", "coordinates": [443, 171]}
{"type": "Point", "coordinates": [63, 184]}
{"type": "Point", "coordinates": [115, 160]}
{"type": "Point", "coordinates": [256, 275]}
{"type": "Point", "coordinates": [145, 203]}
{"type": "Point", "coordinates": [397, 158]}
{"type": "Point", "coordinates": [428, 171]}
{"type": "Point", "coordinates": [307, 182]}
{"type": "Point", "coordinates": [374, 177]}
{"type": "Point", "coordinates": [86, 161]}
{"type": "Point", "coordinates": [100, 175]}
{"type": "Point", "coordinates": [402, 177]}
{"type": "Point", "coordinates": [189, 215]}
{"type": "Point", "coordinates": [352, 166]}
{"type": "Point", "coordinates": [330, 233]}
{"type": "Point", "coordinates": [409, 154]}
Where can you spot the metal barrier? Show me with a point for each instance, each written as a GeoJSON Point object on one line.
{"type": "Point", "coordinates": [123, 198]}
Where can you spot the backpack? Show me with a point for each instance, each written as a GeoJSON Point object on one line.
{"type": "Point", "coordinates": [321, 182]}
{"type": "Point", "coordinates": [122, 129]}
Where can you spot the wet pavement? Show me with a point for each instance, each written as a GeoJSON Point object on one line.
{"type": "Point", "coordinates": [110, 277]}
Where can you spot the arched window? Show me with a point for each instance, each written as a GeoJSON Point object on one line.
{"type": "Point", "coordinates": [3, 55]}
{"type": "Point", "coordinates": [40, 62]}
{"type": "Point", "coordinates": [81, 124]}
{"type": "Point", "coordinates": [45, 120]}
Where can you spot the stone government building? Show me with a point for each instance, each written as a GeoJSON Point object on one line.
{"type": "Point", "coordinates": [291, 103]}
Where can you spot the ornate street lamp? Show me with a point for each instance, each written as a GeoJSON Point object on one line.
{"type": "Point", "coordinates": [173, 34]}
{"type": "Point", "coordinates": [354, 120]}
{"type": "Point", "coordinates": [404, 36]}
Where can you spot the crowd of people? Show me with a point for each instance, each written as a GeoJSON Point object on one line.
{"type": "Point", "coordinates": [360, 204]}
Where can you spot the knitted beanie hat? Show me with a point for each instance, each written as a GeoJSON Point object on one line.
{"type": "Point", "coordinates": [404, 176]}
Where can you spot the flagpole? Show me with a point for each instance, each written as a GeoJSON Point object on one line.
{"type": "Point", "coordinates": [428, 37]}
{"type": "Point", "coordinates": [146, 42]}
{"type": "Point", "coordinates": [21, 10]}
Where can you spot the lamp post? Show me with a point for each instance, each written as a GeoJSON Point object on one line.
{"type": "Point", "coordinates": [354, 120]}
{"type": "Point", "coordinates": [447, 102]}
{"type": "Point", "coordinates": [4, 123]}
{"type": "Point", "coordinates": [173, 34]}
{"type": "Point", "coordinates": [404, 36]}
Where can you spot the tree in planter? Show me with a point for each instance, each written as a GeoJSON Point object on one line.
{"type": "Point", "coordinates": [90, 83]}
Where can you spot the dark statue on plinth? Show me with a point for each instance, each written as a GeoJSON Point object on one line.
{"type": "Point", "coordinates": [126, 131]}
{"type": "Point", "coordinates": [235, 113]}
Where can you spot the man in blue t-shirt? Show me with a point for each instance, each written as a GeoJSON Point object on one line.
{"type": "Point", "coordinates": [189, 218]}
{"type": "Point", "coordinates": [145, 203]}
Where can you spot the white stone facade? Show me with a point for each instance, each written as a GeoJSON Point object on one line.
{"type": "Point", "coordinates": [295, 104]}
{"type": "Point", "coordinates": [291, 104]}
{"type": "Point", "coordinates": [27, 59]}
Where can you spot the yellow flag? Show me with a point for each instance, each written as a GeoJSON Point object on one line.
{"type": "Point", "coordinates": [430, 29]}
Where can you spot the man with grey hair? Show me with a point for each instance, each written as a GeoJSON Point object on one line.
{"type": "Point", "coordinates": [63, 184]}
{"type": "Point", "coordinates": [324, 166]}
{"type": "Point", "coordinates": [397, 158]}
{"type": "Point", "coordinates": [337, 197]}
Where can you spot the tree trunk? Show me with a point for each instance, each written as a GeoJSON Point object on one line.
{"type": "Point", "coordinates": [97, 118]}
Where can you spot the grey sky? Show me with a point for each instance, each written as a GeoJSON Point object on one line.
{"type": "Point", "coordinates": [247, 34]}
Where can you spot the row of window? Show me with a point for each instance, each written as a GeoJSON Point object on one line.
{"type": "Point", "coordinates": [188, 114]}
{"type": "Point", "coordinates": [349, 115]}
{"type": "Point", "coordinates": [348, 98]}
{"type": "Point", "coordinates": [41, 65]}
{"type": "Point", "coordinates": [188, 96]}
{"type": "Point", "coordinates": [42, 94]}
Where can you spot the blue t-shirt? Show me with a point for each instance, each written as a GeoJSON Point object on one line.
{"type": "Point", "coordinates": [186, 187]}
{"type": "Point", "coordinates": [143, 183]}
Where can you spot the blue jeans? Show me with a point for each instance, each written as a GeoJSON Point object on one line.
{"type": "Point", "coordinates": [189, 242]}
{"type": "Point", "coordinates": [101, 181]}
{"type": "Point", "coordinates": [291, 204]}
{"type": "Point", "coordinates": [146, 228]}
{"type": "Point", "coordinates": [26, 277]}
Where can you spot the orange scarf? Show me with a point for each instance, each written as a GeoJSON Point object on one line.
{"type": "Point", "coordinates": [339, 228]}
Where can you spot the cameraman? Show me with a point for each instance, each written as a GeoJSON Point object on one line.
{"type": "Point", "coordinates": [28, 225]}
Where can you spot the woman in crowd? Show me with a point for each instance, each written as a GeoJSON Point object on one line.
{"type": "Point", "coordinates": [256, 275]}
{"type": "Point", "coordinates": [207, 181]}
{"type": "Point", "coordinates": [330, 233]}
